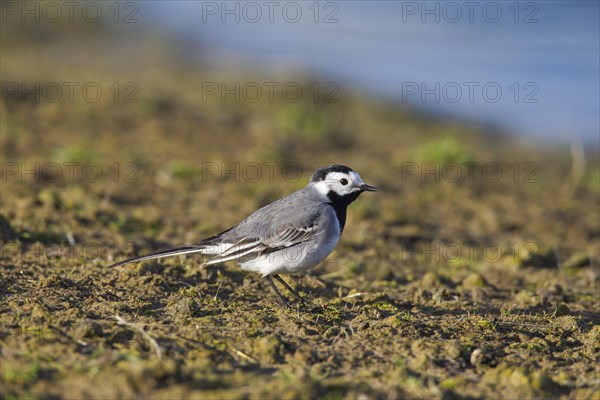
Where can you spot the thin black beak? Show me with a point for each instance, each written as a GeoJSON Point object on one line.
{"type": "Point", "coordinates": [368, 188]}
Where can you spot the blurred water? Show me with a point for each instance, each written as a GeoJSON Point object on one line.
{"type": "Point", "coordinates": [529, 68]}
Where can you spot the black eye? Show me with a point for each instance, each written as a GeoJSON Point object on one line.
{"type": "Point", "coordinates": [344, 181]}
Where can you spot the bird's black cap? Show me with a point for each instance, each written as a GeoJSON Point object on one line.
{"type": "Point", "coordinates": [320, 174]}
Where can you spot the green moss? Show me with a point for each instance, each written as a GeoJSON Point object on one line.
{"type": "Point", "coordinates": [443, 151]}
{"type": "Point", "coordinates": [485, 323]}
{"type": "Point", "coordinates": [451, 383]}
{"type": "Point", "coordinates": [20, 374]}
{"type": "Point", "coordinates": [385, 307]}
{"type": "Point", "coordinates": [75, 153]}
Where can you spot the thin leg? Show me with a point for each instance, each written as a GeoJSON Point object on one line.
{"type": "Point", "coordinates": [288, 287]}
{"type": "Point", "coordinates": [283, 300]}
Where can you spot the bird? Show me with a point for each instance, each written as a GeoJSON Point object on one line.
{"type": "Point", "coordinates": [287, 236]}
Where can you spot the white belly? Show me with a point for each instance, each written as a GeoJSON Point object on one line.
{"type": "Point", "coordinates": [295, 259]}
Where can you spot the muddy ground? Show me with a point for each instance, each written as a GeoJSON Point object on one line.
{"type": "Point", "coordinates": [474, 273]}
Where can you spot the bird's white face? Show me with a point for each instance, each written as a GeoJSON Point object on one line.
{"type": "Point", "coordinates": [342, 183]}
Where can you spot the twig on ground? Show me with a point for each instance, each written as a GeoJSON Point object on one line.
{"type": "Point", "coordinates": [354, 295]}
{"type": "Point", "coordinates": [145, 335]}
{"type": "Point", "coordinates": [218, 288]}
{"type": "Point", "coordinates": [245, 356]}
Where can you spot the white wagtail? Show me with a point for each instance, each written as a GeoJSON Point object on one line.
{"type": "Point", "coordinates": [290, 235]}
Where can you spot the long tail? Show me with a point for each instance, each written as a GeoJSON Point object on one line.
{"type": "Point", "coordinates": [163, 253]}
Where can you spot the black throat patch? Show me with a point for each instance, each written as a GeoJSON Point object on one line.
{"type": "Point", "coordinates": [340, 205]}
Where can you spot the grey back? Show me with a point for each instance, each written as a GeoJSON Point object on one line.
{"type": "Point", "coordinates": [303, 208]}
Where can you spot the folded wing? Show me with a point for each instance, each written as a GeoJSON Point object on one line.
{"type": "Point", "coordinates": [248, 248]}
